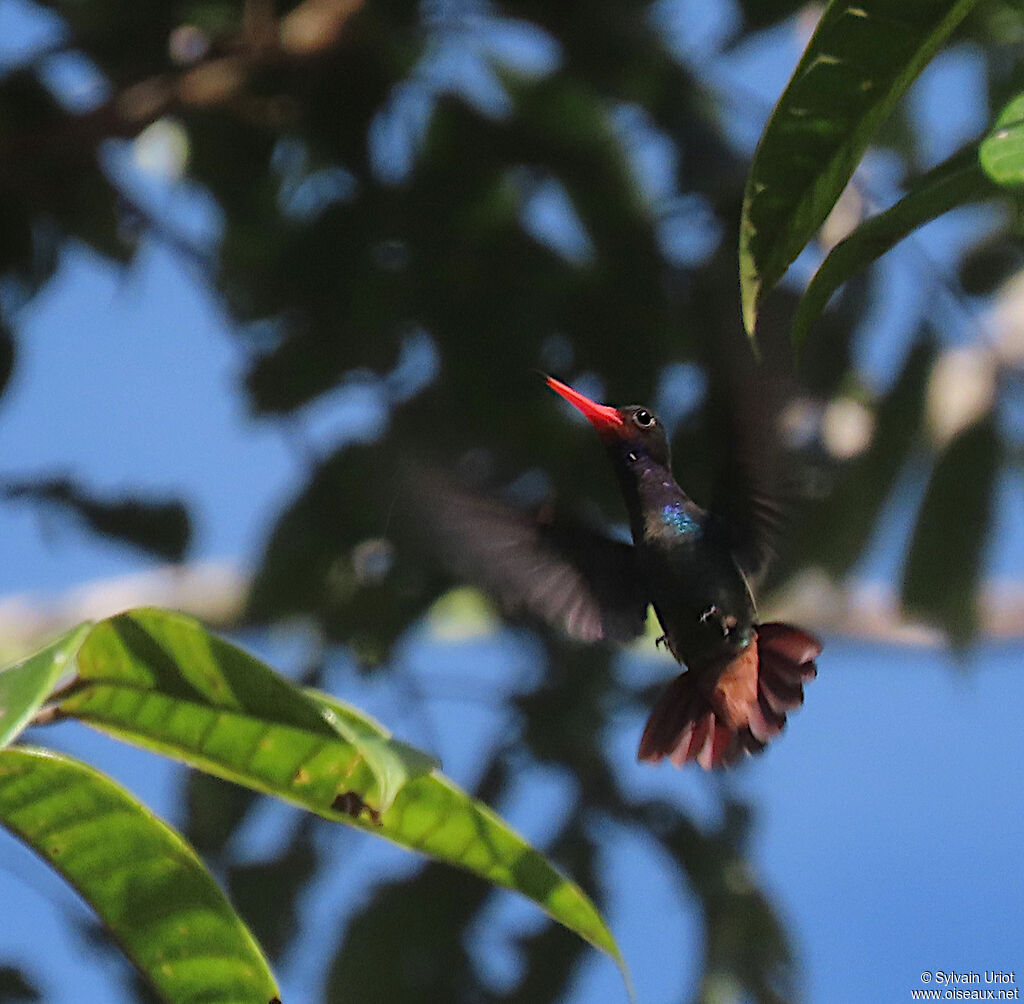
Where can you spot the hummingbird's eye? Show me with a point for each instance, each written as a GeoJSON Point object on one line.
{"type": "Point", "coordinates": [643, 418]}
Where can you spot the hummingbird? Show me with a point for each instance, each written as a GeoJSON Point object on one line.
{"type": "Point", "coordinates": [693, 566]}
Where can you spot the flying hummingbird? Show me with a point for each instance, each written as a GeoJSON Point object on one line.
{"type": "Point", "coordinates": [694, 566]}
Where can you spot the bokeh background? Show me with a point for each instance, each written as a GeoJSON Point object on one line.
{"type": "Point", "coordinates": [250, 252]}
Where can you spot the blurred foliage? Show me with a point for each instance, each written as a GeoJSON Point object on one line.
{"type": "Point", "coordinates": [954, 517]}
{"type": "Point", "coordinates": [162, 529]}
{"type": "Point", "coordinates": [386, 176]}
{"type": "Point", "coordinates": [15, 988]}
{"type": "Point", "coordinates": [279, 881]}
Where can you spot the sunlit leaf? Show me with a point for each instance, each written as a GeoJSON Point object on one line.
{"type": "Point", "coordinates": [393, 763]}
{"type": "Point", "coordinates": [436, 817]}
{"type": "Point", "coordinates": [953, 183]}
{"type": "Point", "coordinates": [1002, 151]}
{"type": "Point", "coordinates": [411, 918]}
{"type": "Point", "coordinates": [25, 686]}
{"type": "Point", "coordinates": [147, 885]}
{"type": "Point", "coordinates": [161, 681]}
{"type": "Point", "coordinates": [859, 62]}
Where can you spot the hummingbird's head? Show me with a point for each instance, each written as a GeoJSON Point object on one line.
{"type": "Point", "coordinates": [632, 435]}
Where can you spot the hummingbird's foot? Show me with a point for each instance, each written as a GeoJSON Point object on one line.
{"type": "Point", "coordinates": [724, 622]}
{"type": "Point", "coordinates": [663, 640]}
{"type": "Point", "coordinates": [712, 611]}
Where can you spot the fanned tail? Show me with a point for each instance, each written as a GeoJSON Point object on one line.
{"type": "Point", "coordinates": [716, 713]}
{"type": "Point", "coordinates": [684, 726]}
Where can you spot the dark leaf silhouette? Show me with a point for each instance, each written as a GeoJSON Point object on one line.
{"type": "Point", "coordinates": [162, 529]}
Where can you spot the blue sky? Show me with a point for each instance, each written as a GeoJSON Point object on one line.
{"type": "Point", "coordinates": [129, 379]}
{"type": "Point", "coordinates": [887, 819]}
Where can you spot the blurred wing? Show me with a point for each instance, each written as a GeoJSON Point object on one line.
{"type": "Point", "coordinates": [568, 575]}
{"type": "Point", "coordinates": [746, 511]}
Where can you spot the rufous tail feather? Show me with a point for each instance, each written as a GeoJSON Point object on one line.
{"type": "Point", "coordinates": [717, 712]}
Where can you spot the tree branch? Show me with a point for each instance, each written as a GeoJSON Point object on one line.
{"type": "Point", "coordinates": [215, 593]}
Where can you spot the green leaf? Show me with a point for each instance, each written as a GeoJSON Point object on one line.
{"type": "Point", "coordinates": [161, 681]}
{"type": "Point", "coordinates": [857, 65]}
{"type": "Point", "coordinates": [436, 817]}
{"type": "Point", "coordinates": [1002, 151]}
{"type": "Point", "coordinates": [25, 686]}
{"type": "Point", "coordinates": [953, 183]}
{"type": "Point", "coordinates": [145, 882]}
{"type": "Point", "coordinates": [943, 567]}
{"type": "Point", "coordinates": [393, 762]}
